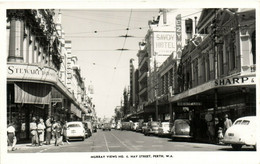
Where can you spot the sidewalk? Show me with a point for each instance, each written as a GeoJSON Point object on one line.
{"type": "Point", "coordinates": [24, 146]}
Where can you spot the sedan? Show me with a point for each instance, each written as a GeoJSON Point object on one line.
{"type": "Point", "coordinates": [75, 129]}
{"type": "Point", "coordinates": [242, 132]}
{"type": "Point", "coordinates": [181, 129]}
{"type": "Point", "coordinates": [164, 129]}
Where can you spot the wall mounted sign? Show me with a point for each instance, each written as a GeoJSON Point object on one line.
{"type": "Point", "coordinates": [31, 72]}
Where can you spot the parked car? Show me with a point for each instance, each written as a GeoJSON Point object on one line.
{"type": "Point", "coordinates": [88, 128]}
{"type": "Point", "coordinates": [181, 129]}
{"type": "Point", "coordinates": [164, 129]}
{"type": "Point", "coordinates": [75, 130]}
{"type": "Point", "coordinates": [118, 126]}
{"type": "Point", "coordinates": [106, 126]}
{"type": "Point", "coordinates": [242, 132]}
{"type": "Point", "coordinates": [153, 128]}
{"type": "Point", "coordinates": [95, 126]}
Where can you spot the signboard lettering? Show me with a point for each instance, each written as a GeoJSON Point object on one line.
{"type": "Point", "coordinates": [31, 72]}
{"type": "Point", "coordinates": [178, 36]}
{"type": "Point", "coordinates": [235, 81]}
{"type": "Point", "coordinates": [164, 43]}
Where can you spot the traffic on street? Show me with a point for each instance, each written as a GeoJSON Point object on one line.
{"type": "Point", "coordinates": [117, 141]}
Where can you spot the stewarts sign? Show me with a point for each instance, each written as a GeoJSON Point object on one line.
{"type": "Point", "coordinates": [243, 80]}
{"type": "Point", "coordinates": [18, 71]}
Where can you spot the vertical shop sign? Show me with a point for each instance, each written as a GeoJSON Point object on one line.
{"type": "Point", "coordinates": [178, 36]}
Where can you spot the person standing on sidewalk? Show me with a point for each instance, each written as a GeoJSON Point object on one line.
{"type": "Point", "coordinates": [227, 123]}
{"type": "Point", "coordinates": [34, 134]}
{"type": "Point", "coordinates": [11, 139]}
{"type": "Point", "coordinates": [40, 130]}
{"type": "Point", "coordinates": [65, 138]}
{"type": "Point", "coordinates": [48, 130]}
{"type": "Point", "coordinates": [56, 128]}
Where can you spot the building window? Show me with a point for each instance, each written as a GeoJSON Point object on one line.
{"type": "Point", "coordinates": [221, 59]}
{"type": "Point", "coordinates": [232, 50]}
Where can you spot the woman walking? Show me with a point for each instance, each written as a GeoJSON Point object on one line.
{"type": "Point", "coordinates": [34, 134]}
{"type": "Point", "coordinates": [40, 130]}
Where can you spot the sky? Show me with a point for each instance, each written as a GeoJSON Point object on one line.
{"type": "Point", "coordinates": [95, 40]}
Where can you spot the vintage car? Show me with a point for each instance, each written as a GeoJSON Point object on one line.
{"type": "Point", "coordinates": [164, 129]}
{"type": "Point", "coordinates": [242, 132]}
{"type": "Point", "coordinates": [181, 129]}
{"type": "Point", "coordinates": [106, 126]}
{"type": "Point", "coordinates": [153, 128]}
{"type": "Point", "coordinates": [75, 130]}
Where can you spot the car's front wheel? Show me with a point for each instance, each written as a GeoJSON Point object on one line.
{"type": "Point", "coordinates": [236, 146]}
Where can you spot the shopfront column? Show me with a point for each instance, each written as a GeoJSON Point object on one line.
{"type": "Point", "coordinates": [16, 35]}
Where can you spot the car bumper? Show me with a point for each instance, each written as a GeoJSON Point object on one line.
{"type": "Point", "coordinates": [181, 136]}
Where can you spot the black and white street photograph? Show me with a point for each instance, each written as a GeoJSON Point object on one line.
{"type": "Point", "coordinates": [130, 80]}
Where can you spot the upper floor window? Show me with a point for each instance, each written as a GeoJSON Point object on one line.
{"type": "Point", "coordinates": [231, 50]}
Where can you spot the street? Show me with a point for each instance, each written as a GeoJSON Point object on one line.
{"type": "Point", "coordinates": [124, 141]}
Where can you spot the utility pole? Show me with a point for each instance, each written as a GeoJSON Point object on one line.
{"type": "Point", "coordinates": [214, 35]}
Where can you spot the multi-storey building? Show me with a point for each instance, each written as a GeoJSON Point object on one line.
{"type": "Point", "coordinates": [216, 75]}
{"type": "Point", "coordinates": [164, 38]}
{"type": "Point", "coordinates": [34, 59]}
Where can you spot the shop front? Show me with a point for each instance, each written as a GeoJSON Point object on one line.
{"type": "Point", "coordinates": [24, 101]}
{"type": "Point", "coordinates": [28, 95]}
{"type": "Point", "coordinates": [235, 96]}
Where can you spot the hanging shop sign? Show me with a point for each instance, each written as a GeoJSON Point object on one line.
{"type": "Point", "coordinates": [24, 72]}
{"type": "Point", "coordinates": [178, 36]}
{"type": "Point", "coordinates": [244, 80]}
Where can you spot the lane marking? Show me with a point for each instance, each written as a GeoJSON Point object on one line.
{"type": "Point", "coordinates": [139, 141]}
{"type": "Point", "coordinates": [138, 146]}
{"type": "Point", "coordinates": [121, 142]}
{"type": "Point", "coordinates": [106, 142]}
{"type": "Point", "coordinates": [114, 146]}
{"type": "Point", "coordinates": [156, 145]}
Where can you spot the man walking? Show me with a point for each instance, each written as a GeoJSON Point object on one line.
{"type": "Point", "coordinates": [48, 123]}
{"type": "Point", "coordinates": [227, 123]}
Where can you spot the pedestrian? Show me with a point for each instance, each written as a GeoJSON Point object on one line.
{"type": "Point", "coordinates": [220, 135]}
{"type": "Point", "coordinates": [34, 134]}
{"type": "Point", "coordinates": [48, 123]}
{"type": "Point", "coordinates": [40, 130]}
{"type": "Point", "coordinates": [227, 123]}
{"type": "Point", "coordinates": [211, 131]}
{"type": "Point", "coordinates": [11, 138]}
{"type": "Point", "coordinates": [56, 128]}
{"type": "Point", "coordinates": [65, 137]}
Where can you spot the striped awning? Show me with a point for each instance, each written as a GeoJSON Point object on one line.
{"type": "Point", "coordinates": [75, 110]}
{"type": "Point", "coordinates": [32, 93]}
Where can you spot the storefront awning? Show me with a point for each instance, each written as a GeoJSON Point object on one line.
{"type": "Point", "coordinates": [75, 110]}
{"type": "Point", "coordinates": [32, 93]}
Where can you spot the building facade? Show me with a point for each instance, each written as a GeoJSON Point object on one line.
{"type": "Point", "coordinates": [216, 75]}
{"type": "Point", "coordinates": [36, 70]}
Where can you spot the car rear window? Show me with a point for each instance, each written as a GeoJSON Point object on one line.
{"type": "Point", "coordinates": [242, 122]}
{"type": "Point", "coordinates": [73, 125]}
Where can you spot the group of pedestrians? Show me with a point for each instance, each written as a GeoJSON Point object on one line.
{"type": "Point", "coordinates": [217, 129]}
{"type": "Point", "coordinates": [53, 128]}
